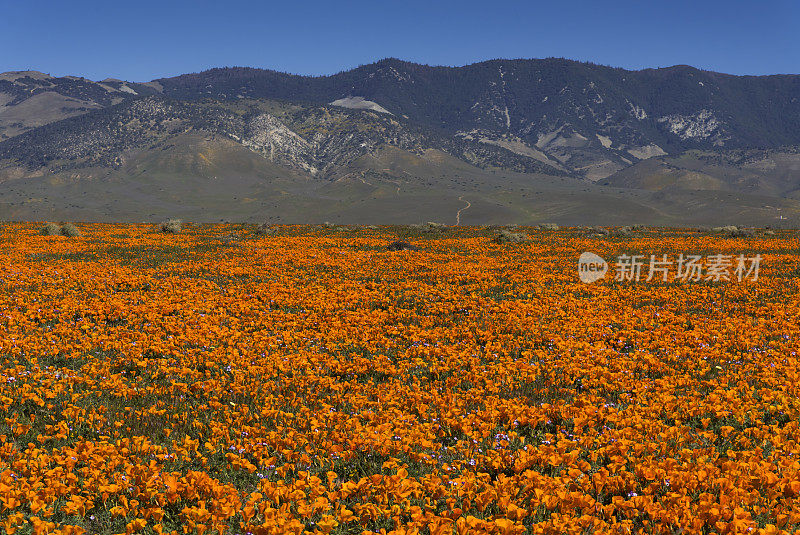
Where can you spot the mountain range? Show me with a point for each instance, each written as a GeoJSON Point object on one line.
{"type": "Point", "coordinates": [513, 140]}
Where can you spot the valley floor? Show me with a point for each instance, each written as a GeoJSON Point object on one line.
{"type": "Point", "coordinates": [374, 198]}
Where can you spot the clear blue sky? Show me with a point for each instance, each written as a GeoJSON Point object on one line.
{"type": "Point", "coordinates": [147, 39]}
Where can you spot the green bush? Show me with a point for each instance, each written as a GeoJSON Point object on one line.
{"type": "Point", "coordinates": [430, 227]}
{"type": "Point", "coordinates": [69, 230]}
{"type": "Point", "coordinates": [505, 236]}
{"type": "Point", "coordinates": [624, 231]}
{"type": "Point", "coordinates": [401, 246]}
{"type": "Point", "coordinates": [599, 230]}
{"type": "Point", "coordinates": [741, 233]}
{"type": "Point", "coordinates": [172, 226]}
{"type": "Point", "coordinates": [50, 229]}
{"type": "Point", "coordinates": [733, 231]}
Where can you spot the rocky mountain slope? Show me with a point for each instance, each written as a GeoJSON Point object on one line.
{"type": "Point", "coordinates": [592, 120]}
{"type": "Point", "coordinates": [504, 140]}
{"type": "Point", "coordinates": [320, 141]}
{"type": "Point", "coordinates": [576, 118]}
{"type": "Point", "coordinates": [29, 99]}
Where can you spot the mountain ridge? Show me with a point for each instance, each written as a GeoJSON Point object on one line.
{"type": "Point", "coordinates": [629, 129]}
{"type": "Point", "coordinates": [586, 119]}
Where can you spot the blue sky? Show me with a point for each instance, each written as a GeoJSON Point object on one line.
{"type": "Point", "coordinates": [143, 40]}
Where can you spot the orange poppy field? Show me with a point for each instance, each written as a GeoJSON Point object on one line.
{"type": "Point", "coordinates": [311, 381]}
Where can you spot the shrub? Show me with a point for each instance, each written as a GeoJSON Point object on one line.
{"type": "Point", "coordinates": [740, 233]}
{"type": "Point", "coordinates": [172, 226]}
{"type": "Point", "coordinates": [401, 246]}
{"type": "Point", "coordinates": [505, 236]}
{"type": "Point", "coordinates": [624, 231]}
{"type": "Point", "coordinates": [333, 227]}
{"type": "Point", "coordinates": [733, 231]}
{"type": "Point", "coordinates": [69, 230]}
{"type": "Point", "coordinates": [229, 238]}
{"type": "Point", "coordinates": [431, 227]}
{"type": "Point", "coordinates": [50, 229]}
{"type": "Point", "coordinates": [599, 230]}
{"type": "Point", "coordinates": [548, 226]}
{"type": "Point", "coordinates": [265, 229]}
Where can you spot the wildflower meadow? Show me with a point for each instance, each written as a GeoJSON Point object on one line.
{"type": "Point", "coordinates": [216, 379]}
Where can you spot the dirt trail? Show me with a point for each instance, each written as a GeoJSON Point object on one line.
{"type": "Point", "coordinates": [458, 214]}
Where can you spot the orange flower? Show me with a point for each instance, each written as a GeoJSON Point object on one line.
{"type": "Point", "coordinates": [508, 527]}
{"type": "Point", "coordinates": [422, 391]}
{"type": "Point", "coordinates": [327, 523]}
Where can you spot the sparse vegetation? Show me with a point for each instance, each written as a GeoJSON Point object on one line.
{"type": "Point", "coordinates": [266, 229]}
